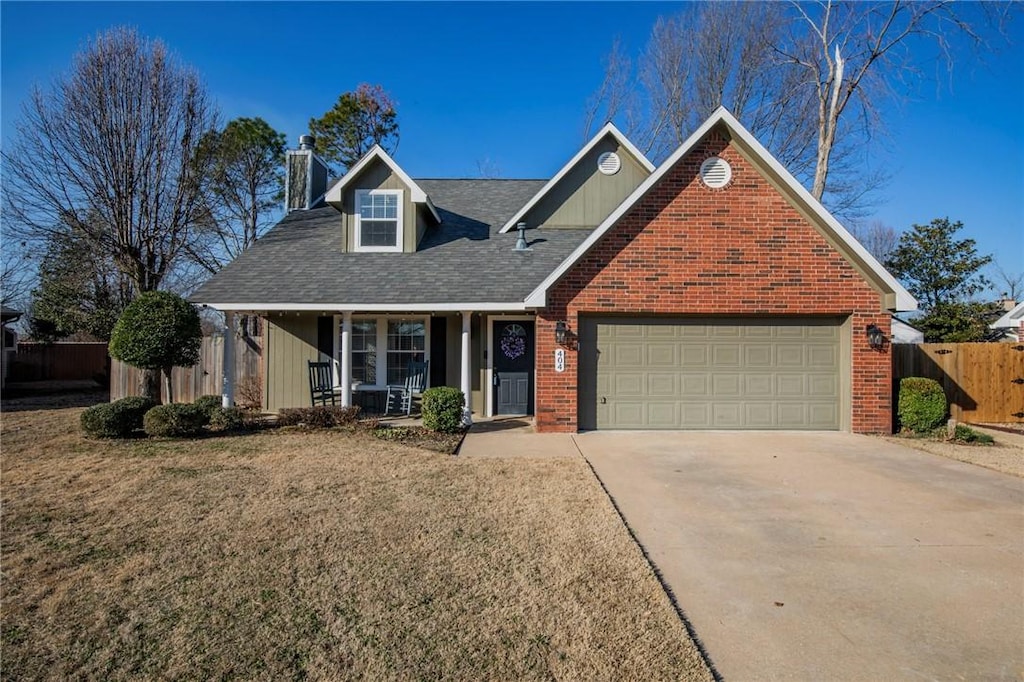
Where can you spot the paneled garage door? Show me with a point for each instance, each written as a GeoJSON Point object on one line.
{"type": "Point", "coordinates": [739, 374]}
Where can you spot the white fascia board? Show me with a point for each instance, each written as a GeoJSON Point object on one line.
{"type": "Point", "coordinates": [608, 129]}
{"type": "Point", "coordinates": [1012, 318]}
{"type": "Point", "coordinates": [369, 307]}
{"type": "Point", "coordinates": [334, 194]}
{"type": "Point", "coordinates": [904, 301]}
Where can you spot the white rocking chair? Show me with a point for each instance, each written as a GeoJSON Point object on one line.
{"type": "Point", "coordinates": [400, 396]}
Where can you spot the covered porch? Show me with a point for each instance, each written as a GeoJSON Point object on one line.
{"type": "Point", "coordinates": [488, 354]}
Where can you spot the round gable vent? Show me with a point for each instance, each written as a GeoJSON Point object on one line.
{"type": "Point", "coordinates": [715, 172]}
{"type": "Point", "coordinates": [609, 163]}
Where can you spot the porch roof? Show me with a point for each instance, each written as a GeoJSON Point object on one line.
{"type": "Point", "coordinates": [299, 263]}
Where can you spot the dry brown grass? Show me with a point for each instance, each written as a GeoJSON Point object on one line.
{"type": "Point", "coordinates": [316, 555]}
{"type": "Point", "coordinates": [1002, 457]}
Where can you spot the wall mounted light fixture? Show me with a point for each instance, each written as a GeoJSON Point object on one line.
{"type": "Point", "coordinates": [876, 337]}
{"type": "Point", "coordinates": [561, 332]}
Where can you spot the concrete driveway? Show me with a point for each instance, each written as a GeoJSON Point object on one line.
{"type": "Point", "coordinates": [827, 556]}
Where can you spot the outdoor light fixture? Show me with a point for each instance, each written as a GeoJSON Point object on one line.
{"type": "Point", "coordinates": [561, 332]}
{"type": "Point", "coordinates": [876, 337]}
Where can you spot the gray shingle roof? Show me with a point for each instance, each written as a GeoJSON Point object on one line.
{"type": "Point", "coordinates": [462, 260]}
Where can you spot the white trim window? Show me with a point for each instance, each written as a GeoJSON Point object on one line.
{"type": "Point", "coordinates": [407, 342]}
{"type": "Point", "coordinates": [378, 221]}
{"type": "Point", "coordinates": [364, 351]}
{"type": "Point", "coordinates": [383, 347]}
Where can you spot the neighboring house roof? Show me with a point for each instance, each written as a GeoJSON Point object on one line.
{"type": "Point", "coordinates": [904, 332]}
{"type": "Point", "coordinates": [1011, 320]}
{"type": "Point", "coordinates": [336, 191]}
{"type": "Point", "coordinates": [9, 314]}
{"type": "Point", "coordinates": [608, 129]}
{"type": "Point", "coordinates": [462, 263]}
{"type": "Point", "coordinates": [902, 300]}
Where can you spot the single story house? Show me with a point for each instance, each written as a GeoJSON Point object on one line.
{"type": "Point", "coordinates": [709, 292]}
{"type": "Point", "coordinates": [1011, 324]}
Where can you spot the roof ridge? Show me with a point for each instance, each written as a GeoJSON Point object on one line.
{"type": "Point", "coordinates": [484, 179]}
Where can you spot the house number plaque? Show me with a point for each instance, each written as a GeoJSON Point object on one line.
{"type": "Point", "coordinates": [559, 359]}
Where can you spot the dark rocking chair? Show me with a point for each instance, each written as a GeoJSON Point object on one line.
{"type": "Point", "coordinates": [321, 384]}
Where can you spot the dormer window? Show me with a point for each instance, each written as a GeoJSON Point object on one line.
{"type": "Point", "coordinates": [379, 220]}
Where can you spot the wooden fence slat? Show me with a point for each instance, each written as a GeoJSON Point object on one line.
{"type": "Point", "coordinates": [188, 383]}
{"type": "Point", "coordinates": [978, 378]}
{"type": "Point", "coordinates": [61, 361]}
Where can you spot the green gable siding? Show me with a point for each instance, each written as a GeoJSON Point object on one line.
{"type": "Point", "coordinates": [291, 343]}
{"type": "Point", "coordinates": [584, 196]}
{"type": "Point", "coordinates": [377, 175]}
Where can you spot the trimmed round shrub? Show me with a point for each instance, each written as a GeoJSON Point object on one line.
{"type": "Point", "coordinates": [119, 419]}
{"type": "Point", "coordinates": [209, 404]}
{"type": "Point", "coordinates": [226, 418]}
{"type": "Point", "coordinates": [442, 409]}
{"type": "Point", "coordinates": [157, 331]}
{"type": "Point", "coordinates": [175, 420]}
{"type": "Point", "coordinates": [922, 404]}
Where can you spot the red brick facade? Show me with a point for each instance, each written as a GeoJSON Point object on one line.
{"type": "Point", "coordinates": [742, 250]}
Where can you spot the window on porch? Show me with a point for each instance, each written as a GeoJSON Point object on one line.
{"type": "Point", "coordinates": [407, 342]}
{"type": "Point", "coordinates": [383, 347]}
{"type": "Point", "coordinates": [364, 351]}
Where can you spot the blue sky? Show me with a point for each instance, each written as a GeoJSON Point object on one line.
{"type": "Point", "coordinates": [505, 84]}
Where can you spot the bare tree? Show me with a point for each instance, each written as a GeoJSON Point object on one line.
{"type": "Point", "coordinates": [488, 168]}
{"type": "Point", "coordinates": [878, 238]}
{"type": "Point", "coordinates": [109, 151]}
{"type": "Point", "coordinates": [1008, 284]}
{"type": "Point", "coordinates": [853, 53]}
{"type": "Point", "coordinates": [16, 274]}
{"type": "Point", "coordinates": [710, 55]}
{"type": "Point", "coordinates": [806, 78]}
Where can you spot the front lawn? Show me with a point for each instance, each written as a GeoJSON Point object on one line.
{"type": "Point", "coordinates": [320, 555]}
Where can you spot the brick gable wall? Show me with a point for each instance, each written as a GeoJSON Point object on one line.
{"type": "Point", "coordinates": [742, 250]}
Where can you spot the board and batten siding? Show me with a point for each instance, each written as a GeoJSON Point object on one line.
{"type": "Point", "coordinates": [291, 343]}
{"type": "Point", "coordinates": [378, 176]}
{"type": "Point", "coordinates": [585, 196]}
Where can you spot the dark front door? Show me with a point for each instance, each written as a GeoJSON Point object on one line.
{"type": "Point", "coordinates": [513, 367]}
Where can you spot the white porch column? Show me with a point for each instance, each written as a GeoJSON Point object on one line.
{"type": "Point", "coordinates": [467, 384]}
{"type": "Point", "coordinates": [346, 358]}
{"type": "Point", "coordinates": [228, 370]}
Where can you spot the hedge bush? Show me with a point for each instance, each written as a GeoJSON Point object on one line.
{"type": "Point", "coordinates": [226, 418]}
{"type": "Point", "coordinates": [176, 420]}
{"type": "Point", "coordinates": [119, 419]}
{"type": "Point", "coordinates": [208, 404]}
{"type": "Point", "coordinates": [965, 434]}
{"type": "Point", "coordinates": [442, 409]}
{"type": "Point", "coordinates": [319, 417]}
{"type": "Point", "coordinates": [922, 404]}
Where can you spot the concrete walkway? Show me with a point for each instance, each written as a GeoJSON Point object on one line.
{"type": "Point", "coordinates": [515, 437]}
{"type": "Point", "coordinates": [827, 556]}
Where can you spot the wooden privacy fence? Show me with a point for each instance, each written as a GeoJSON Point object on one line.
{"type": "Point", "coordinates": [203, 378]}
{"type": "Point", "coordinates": [61, 361]}
{"type": "Point", "coordinates": [984, 382]}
